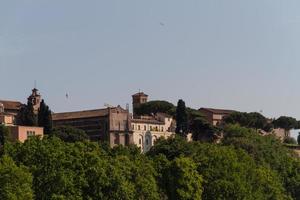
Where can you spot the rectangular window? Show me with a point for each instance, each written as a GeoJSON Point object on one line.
{"type": "Point", "coordinates": [145, 128]}
{"type": "Point", "coordinates": [30, 133]}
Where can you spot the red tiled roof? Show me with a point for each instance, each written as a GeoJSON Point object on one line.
{"type": "Point", "coordinates": [217, 111]}
{"type": "Point", "coordinates": [80, 114]}
{"type": "Point", "coordinates": [11, 105]}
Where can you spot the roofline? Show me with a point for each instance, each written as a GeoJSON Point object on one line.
{"type": "Point", "coordinates": [10, 101]}
{"type": "Point", "coordinates": [216, 109]}
{"type": "Point", "coordinates": [140, 94]}
{"type": "Point", "coordinates": [93, 110]}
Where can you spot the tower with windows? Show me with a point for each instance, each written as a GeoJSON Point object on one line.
{"type": "Point", "coordinates": [35, 98]}
{"type": "Point", "coordinates": [137, 100]}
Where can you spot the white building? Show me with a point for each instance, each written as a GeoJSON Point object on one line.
{"type": "Point", "coordinates": [147, 129]}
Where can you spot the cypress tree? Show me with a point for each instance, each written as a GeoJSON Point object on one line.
{"type": "Point", "coordinates": [26, 115]}
{"type": "Point", "coordinates": [30, 117]}
{"type": "Point", "coordinates": [45, 117]}
{"type": "Point", "coordinates": [181, 119]}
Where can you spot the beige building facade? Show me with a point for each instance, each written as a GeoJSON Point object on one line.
{"type": "Point", "coordinates": [148, 129]}
{"type": "Point", "coordinates": [112, 124]}
{"type": "Point", "coordinates": [22, 133]}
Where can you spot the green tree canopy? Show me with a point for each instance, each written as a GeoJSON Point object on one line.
{"type": "Point", "coordinates": [181, 119]}
{"type": "Point", "coordinates": [250, 120]}
{"type": "Point", "coordinates": [287, 123]}
{"type": "Point", "coordinates": [183, 180]}
{"type": "Point", "coordinates": [69, 134]}
{"type": "Point", "coordinates": [45, 117]}
{"type": "Point", "coordinates": [4, 134]}
{"type": "Point", "coordinates": [267, 151]}
{"type": "Point", "coordinates": [26, 115]}
{"type": "Point", "coordinates": [15, 182]}
{"type": "Point", "coordinates": [153, 107]}
{"type": "Point", "coordinates": [202, 130]}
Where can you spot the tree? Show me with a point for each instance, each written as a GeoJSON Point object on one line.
{"type": "Point", "coordinates": [45, 118]}
{"type": "Point", "coordinates": [4, 134]}
{"type": "Point", "coordinates": [250, 120]}
{"type": "Point", "coordinates": [181, 119]}
{"type": "Point", "coordinates": [298, 139]}
{"type": "Point", "coordinates": [153, 107]}
{"type": "Point", "coordinates": [183, 180]}
{"type": "Point", "coordinates": [202, 130]}
{"type": "Point", "coordinates": [26, 115]}
{"type": "Point", "coordinates": [267, 151]}
{"type": "Point", "coordinates": [69, 134]}
{"type": "Point", "coordinates": [287, 123]}
{"type": "Point", "coordinates": [15, 182]}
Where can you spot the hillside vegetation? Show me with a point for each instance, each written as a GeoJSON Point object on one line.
{"type": "Point", "coordinates": [244, 166]}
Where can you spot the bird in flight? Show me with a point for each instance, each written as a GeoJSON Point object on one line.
{"type": "Point", "coordinates": [162, 24]}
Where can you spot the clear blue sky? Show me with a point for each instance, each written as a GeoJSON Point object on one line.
{"type": "Point", "coordinates": [233, 54]}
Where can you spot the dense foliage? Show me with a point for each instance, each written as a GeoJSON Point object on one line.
{"type": "Point", "coordinates": [251, 120]}
{"type": "Point", "coordinates": [182, 127]}
{"type": "Point", "coordinates": [153, 107]}
{"type": "Point", "coordinates": [244, 165]}
{"type": "Point", "coordinates": [69, 134]}
{"type": "Point", "coordinates": [4, 134]}
{"type": "Point", "coordinates": [26, 115]}
{"type": "Point", "coordinates": [43, 118]}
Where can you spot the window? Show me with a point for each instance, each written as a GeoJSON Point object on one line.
{"type": "Point", "coordinates": [162, 129]}
{"type": "Point", "coordinates": [139, 127]}
{"type": "Point", "coordinates": [140, 141]}
{"type": "Point", "coordinates": [147, 142]}
{"type": "Point", "coordinates": [30, 133]}
{"type": "Point", "coordinates": [132, 127]}
{"type": "Point", "coordinates": [145, 128]}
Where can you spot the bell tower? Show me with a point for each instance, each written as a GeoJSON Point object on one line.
{"type": "Point", "coordinates": [35, 98]}
{"type": "Point", "coordinates": [138, 99]}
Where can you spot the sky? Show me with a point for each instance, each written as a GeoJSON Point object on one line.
{"type": "Point", "coordinates": [231, 54]}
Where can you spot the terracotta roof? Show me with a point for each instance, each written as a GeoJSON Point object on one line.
{"type": "Point", "coordinates": [140, 94]}
{"type": "Point", "coordinates": [147, 121]}
{"type": "Point", "coordinates": [218, 111]}
{"type": "Point", "coordinates": [80, 114]}
{"type": "Point", "coordinates": [11, 105]}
